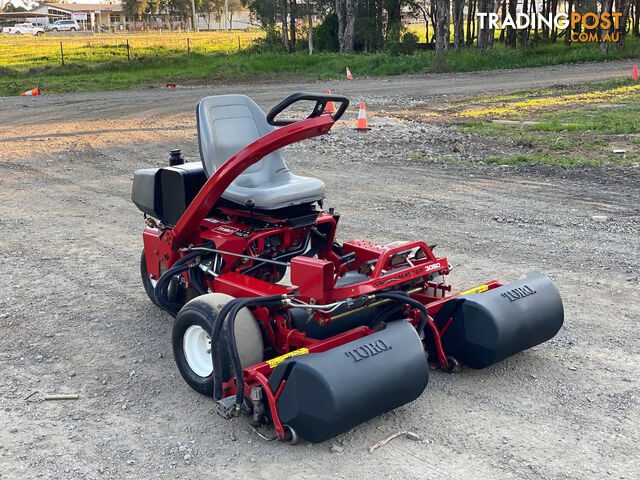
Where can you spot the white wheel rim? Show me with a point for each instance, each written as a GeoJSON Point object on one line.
{"type": "Point", "coordinates": [196, 344]}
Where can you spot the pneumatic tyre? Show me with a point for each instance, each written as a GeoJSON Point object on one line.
{"type": "Point", "coordinates": [191, 341]}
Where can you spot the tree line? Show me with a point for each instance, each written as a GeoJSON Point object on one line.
{"type": "Point", "coordinates": [370, 25]}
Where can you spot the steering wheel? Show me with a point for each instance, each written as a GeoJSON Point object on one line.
{"type": "Point", "coordinates": [321, 100]}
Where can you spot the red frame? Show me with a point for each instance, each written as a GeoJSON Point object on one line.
{"type": "Point", "coordinates": [316, 278]}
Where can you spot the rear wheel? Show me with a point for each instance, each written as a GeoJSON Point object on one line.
{"type": "Point", "coordinates": [191, 341]}
{"type": "Point", "coordinates": [38, 34]}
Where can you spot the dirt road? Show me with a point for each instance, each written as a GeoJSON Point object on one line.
{"type": "Point", "coordinates": [389, 92]}
{"type": "Point", "coordinates": [75, 319]}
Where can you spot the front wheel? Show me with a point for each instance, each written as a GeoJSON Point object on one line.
{"type": "Point", "coordinates": [38, 34]}
{"type": "Point", "coordinates": [191, 341]}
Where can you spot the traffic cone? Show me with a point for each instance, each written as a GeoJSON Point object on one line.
{"type": "Point", "coordinates": [28, 93]}
{"type": "Point", "coordinates": [330, 108]}
{"type": "Point", "coordinates": [362, 119]}
{"type": "Point", "coordinates": [634, 75]}
{"type": "Point", "coordinates": [349, 76]}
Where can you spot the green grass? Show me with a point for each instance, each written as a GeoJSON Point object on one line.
{"type": "Point", "coordinates": [571, 161]}
{"type": "Point", "coordinates": [103, 66]}
{"type": "Point", "coordinates": [567, 126]}
{"type": "Point", "coordinates": [611, 120]}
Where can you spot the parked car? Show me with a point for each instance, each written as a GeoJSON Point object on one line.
{"type": "Point", "coordinates": [64, 26]}
{"type": "Point", "coordinates": [24, 29]}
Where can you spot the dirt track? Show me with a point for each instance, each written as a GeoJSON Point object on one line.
{"type": "Point", "coordinates": [74, 317]}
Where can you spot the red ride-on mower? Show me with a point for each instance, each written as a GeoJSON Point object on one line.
{"type": "Point", "coordinates": [343, 338]}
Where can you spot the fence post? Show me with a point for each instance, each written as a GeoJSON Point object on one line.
{"type": "Point", "coordinates": [188, 46]}
{"type": "Point", "coordinates": [238, 42]}
{"type": "Point", "coordinates": [128, 54]}
{"type": "Point", "coordinates": [61, 53]}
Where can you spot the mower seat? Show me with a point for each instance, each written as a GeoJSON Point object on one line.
{"type": "Point", "coordinates": [227, 124]}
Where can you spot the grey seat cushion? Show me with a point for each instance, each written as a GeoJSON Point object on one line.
{"type": "Point", "coordinates": [227, 124]}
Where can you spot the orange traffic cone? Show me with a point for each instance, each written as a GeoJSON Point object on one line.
{"type": "Point", "coordinates": [362, 119]}
{"type": "Point", "coordinates": [634, 75]}
{"type": "Point", "coordinates": [29, 93]}
{"type": "Point", "coordinates": [330, 108]}
{"type": "Point", "coordinates": [349, 76]}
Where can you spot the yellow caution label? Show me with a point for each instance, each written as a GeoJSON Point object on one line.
{"type": "Point", "coordinates": [275, 361]}
{"type": "Point", "coordinates": [478, 289]}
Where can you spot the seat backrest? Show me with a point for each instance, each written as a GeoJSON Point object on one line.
{"type": "Point", "coordinates": [227, 124]}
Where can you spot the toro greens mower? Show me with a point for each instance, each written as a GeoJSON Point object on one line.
{"type": "Point", "coordinates": [274, 318]}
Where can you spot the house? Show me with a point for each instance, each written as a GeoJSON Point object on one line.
{"type": "Point", "coordinates": [99, 17]}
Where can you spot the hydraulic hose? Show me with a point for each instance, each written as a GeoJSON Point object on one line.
{"type": "Point", "coordinates": [267, 301]}
{"type": "Point", "coordinates": [403, 297]}
{"type": "Point", "coordinates": [163, 283]}
{"type": "Point", "coordinates": [195, 277]}
{"type": "Point", "coordinates": [216, 357]}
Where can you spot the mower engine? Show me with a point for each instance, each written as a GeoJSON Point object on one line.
{"type": "Point", "coordinates": [274, 318]}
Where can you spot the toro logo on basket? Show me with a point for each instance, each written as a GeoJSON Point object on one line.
{"type": "Point", "coordinates": [368, 350]}
{"type": "Point", "coordinates": [518, 293]}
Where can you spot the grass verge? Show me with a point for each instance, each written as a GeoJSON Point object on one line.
{"type": "Point", "coordinates": [591, 124]}
{"type": "Point", "coordinates": [99, 66]}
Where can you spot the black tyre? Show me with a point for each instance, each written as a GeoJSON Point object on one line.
{"type": "Point", "coordinates": [147, 283]}
{"type": "Point", "coordinates": [192, 343]}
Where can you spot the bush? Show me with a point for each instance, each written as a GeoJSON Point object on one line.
{"type": "Point", "coordinates": [399, 41]}
{"type": "Point", "coordinates": [272, 41]}
{"type": "Point", "coordinates": [325, 35]}
{"type": "Point", "coordinates": [440, 65]}
{"type": "Point", "coordinates": [409, 43]}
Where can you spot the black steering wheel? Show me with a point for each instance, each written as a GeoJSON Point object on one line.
{"type": "Point", "coordinates": [321, 100]}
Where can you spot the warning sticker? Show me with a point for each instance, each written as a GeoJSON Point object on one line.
{"type": "Point", "coordinates": [478, 289]}
{"type": "Point", "coordinates": [275, 361]}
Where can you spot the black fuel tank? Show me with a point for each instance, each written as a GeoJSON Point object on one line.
{"type": "Point", "coordinates": [165, 193]}
{"type": "Point", "coordinates": [328, 393]}
{"type": "Point", "coordinates": [491, 326]}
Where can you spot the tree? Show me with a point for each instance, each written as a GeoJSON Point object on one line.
{"type": "Point", "coordinates": [442, 26]}
{"type": "Point", "coordinates": [458, 24]}
{"type": "Point", "coordinates": [135, 8]}
{"type": "Point", "coordinates": [284, 12]}
{"type": "Point", "coordinates": [233, 7]}
{"type": "Point", "coordinates": [423, 8]}
{"type": "Point", "coordinates": [622, 6]}
{"type": "Point", "coordinates": [347, 12]}
{"type": "Point", "coordinates": [266, 11]}
{"type": "Point", "coordinates": [207, 8]}
{"type": "Point", "coordinates": [510, 37]}
{"type": "Point", "coordinates": [310, 33]}
{"type": "Point", "coordinates": [524, 33]}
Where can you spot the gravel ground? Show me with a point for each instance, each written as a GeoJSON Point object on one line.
{"type": "Point", "coordinates": [75, 319]}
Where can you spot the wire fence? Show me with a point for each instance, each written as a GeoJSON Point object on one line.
{"type": "Point", "coordinates": [22, 53]}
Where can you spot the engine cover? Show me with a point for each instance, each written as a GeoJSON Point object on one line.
{"type": "Point", "coordinates": [328, 393]}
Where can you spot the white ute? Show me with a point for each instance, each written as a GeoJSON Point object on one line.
{"type": "Point", "coordinates": [24, 29]}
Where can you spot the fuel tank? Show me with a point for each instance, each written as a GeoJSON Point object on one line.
{"type": "Point", "coordinates": [491, 326]}
{"type": "Point", "coordinates": [328, 393]}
